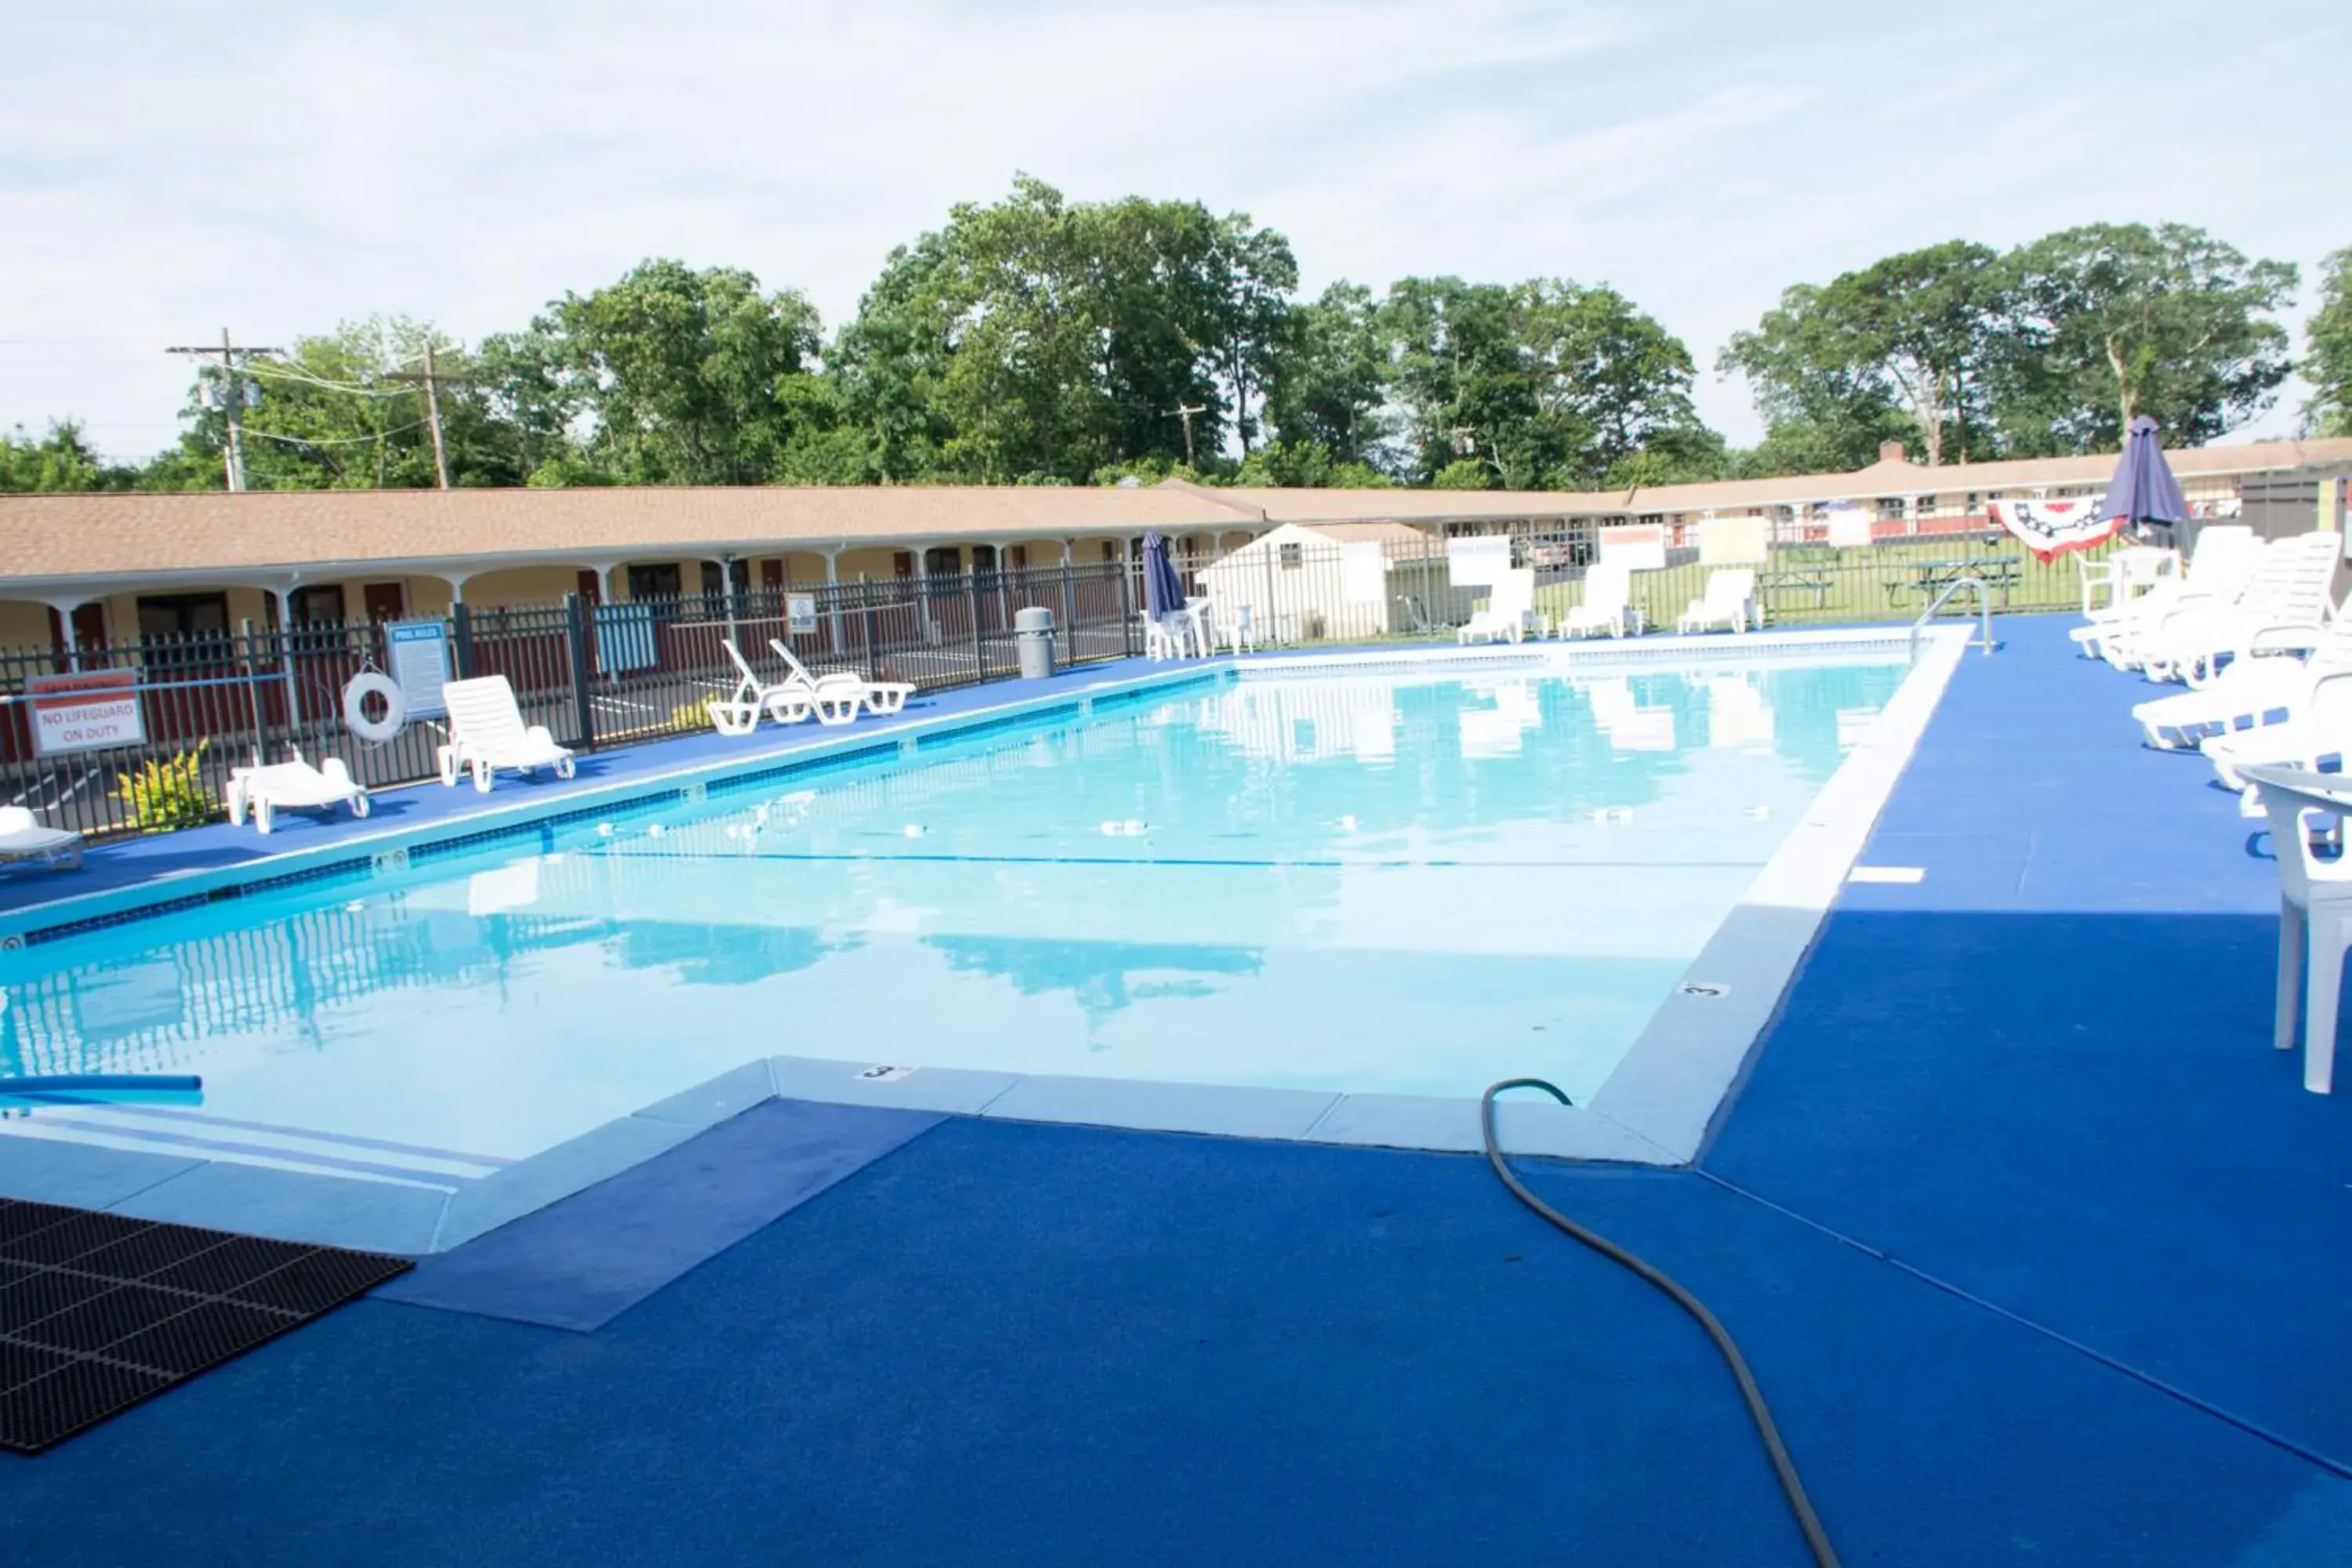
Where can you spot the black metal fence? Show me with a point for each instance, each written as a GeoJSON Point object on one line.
{"type": "Point", "coordinates": [595, 675]}
{"type": "Point", "coordinates": [1332, 592]}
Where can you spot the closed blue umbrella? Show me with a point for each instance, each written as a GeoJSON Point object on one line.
{"type": "Point", "coordinates": [2144, 490]}
{"type": "Point", "coordinates": [1163, 590]}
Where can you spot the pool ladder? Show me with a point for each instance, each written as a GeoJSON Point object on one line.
{"type": "Point", "coordinates": [1984, 613]}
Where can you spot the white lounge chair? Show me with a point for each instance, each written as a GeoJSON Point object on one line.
{"type": "Point", "coordinates": [1507, 607]}
{"type": "Point", "coordinates": [2219, 566]}
{"type": "Point", "coordinates": [880, 697]}
{"type": "Point", "coordinates": [2315, 912]}
{"type": "Point", "coordinates": [263, 791]}
{"type": "Point", "coordinates": [486, 733]}
{"type": "Point", "coordinates": [1607, 586]}
{"type": "Point", "coordinates": [22, 837]}
{"type": "Point", "coordinates": [1729, 601]}
{"type": "Point", "coordinates": [2250, 694]}
{"type": "Point", "coordinates": [788, 701]}
{"type": "Point", "coordinates": [1236, 627]}
{"type": "Point", "coordinates": [2285, 607]}
{"type": "Point", "coordinates": [2318, 737]}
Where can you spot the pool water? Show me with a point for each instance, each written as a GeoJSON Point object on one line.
{"type": "Point", "coordinates": [1389, 883]}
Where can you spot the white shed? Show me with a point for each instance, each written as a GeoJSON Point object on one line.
{"type": "Point", "coordinates": [1306, 582]}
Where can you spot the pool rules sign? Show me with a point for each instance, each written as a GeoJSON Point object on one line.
{"type": "Point", "coordinates": [86, 711]}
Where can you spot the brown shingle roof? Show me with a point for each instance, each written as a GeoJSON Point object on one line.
{"type": "Point", "coordinates": [81, 536]}
{"type": "Point", "coordinates": [85, 538]}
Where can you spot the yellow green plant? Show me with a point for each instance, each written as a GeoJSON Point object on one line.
{"type": "Point", "coordinates": [694, 715]}
{"type": "Point", "coordinates": [167, 794]}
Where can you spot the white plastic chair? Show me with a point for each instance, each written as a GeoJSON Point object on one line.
{"type": "Point", "coordinates": [2286, 605]}
{"type": "Point", "coordinates": [2123, 575]}
{"type": "Point", "coordinates": [1607, 586]}
{"type": "Point", "coordinates": [1241, 635]}
{"type": "Point", "coordinates": [1512, 600]}
{"type": "Point", "coordinates": [788, 701]}
{"type": "Point", "coordinates": [1729, 601]}
{"type": "Point", "coordinates": [2219, 566]}
{"type": "Point", "coordinates": [487, 733]}
{"type": "Point", "coordinates": [880, 697]}
{"type": "Point", "coordinates": [2250, 694]}
{"type": "Point", "coordinates": [293, 784]}
{"type": "Point", "coordinates": [22, 837]}
{"type": "Point", "coordinates": [2315, 911]}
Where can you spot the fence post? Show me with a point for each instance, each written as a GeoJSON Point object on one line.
{"type": "Point", "coordinates": [583, 713]}
{"type": "Point", "coordinates": [461, 639]}
{"type": "Point", "coordinates": [971, 608]}
{"type": "Point", "coordinates": [1069, 612]}
{"type": "Point", "coordinates": [1126, 610]}
{"type": "Point", "coordinates": [253, 695]}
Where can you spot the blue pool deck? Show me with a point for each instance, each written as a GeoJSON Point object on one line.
{"type": "Point", "coordinates": [2041, 1252]}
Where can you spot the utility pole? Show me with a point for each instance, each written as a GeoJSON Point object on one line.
{"type": "Point", "coordinates": [233, 388]}
{"type": "Point", "coordinates": [1185, 412]}
{"type": "Point", "coordinates": [433, 380]}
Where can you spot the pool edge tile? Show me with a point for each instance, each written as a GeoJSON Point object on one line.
{"type": "Point", "coordinates": [717, 1098]}
{"type": "Point", "coordinates": [953, 1091]}
{"type": "Point", "coordinates": [86, 1176]}
{"type": "Point", "coordinates": [295, 1205]}
{"type": "Point", "coordinates": [1151, 1106]}
{"type": "Point", "coordinates": [553, 1174]}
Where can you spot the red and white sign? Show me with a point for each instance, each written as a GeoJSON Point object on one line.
{"type": "Point", "coordinates": [2052, 528]}
{"type": "Point", "coordinates": [87, 711]}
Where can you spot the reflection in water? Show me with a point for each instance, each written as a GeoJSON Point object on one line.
{"type": "Point", "coordinates": [1630, 726]}
{"type": "Point", "coordinates": [1736, 713]}
{"type": "Point", "coordinates": [1103, 977]}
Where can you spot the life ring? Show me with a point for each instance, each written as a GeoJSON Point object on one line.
{"type": "Point", "coordinates": [356, 692]}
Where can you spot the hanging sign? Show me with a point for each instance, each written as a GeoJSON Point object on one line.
{"type": "Point", "coordinates": [88, 710]}
{"type": "Point", "coordinates": [1477, 561]}
{"type": "Point", "coordinates": [802, 610]}
{"type": "Point", "coordinates": [418, 652]}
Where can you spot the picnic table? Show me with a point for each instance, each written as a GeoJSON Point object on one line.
{"type": "Point", "coordinates": [1798, 569]}
{"type": "Point", "coordinates": [1927, 579]}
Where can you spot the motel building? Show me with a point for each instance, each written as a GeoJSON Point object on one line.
{"type": "Point", "coordinates": [94, 571]}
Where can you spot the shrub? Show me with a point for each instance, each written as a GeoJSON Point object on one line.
{"type": "Point", "coordinates": [163, 795]}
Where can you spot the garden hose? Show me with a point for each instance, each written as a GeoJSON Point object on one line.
{"type": "Point", "coordinates": [1783, 1466]}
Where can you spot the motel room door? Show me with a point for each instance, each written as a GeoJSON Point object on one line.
{"type": "Point", "coordinates": [385, 602]}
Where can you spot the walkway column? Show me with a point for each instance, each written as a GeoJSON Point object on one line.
{"type": "Point", "coordinates": [285, 597]}
{"type": "Point", "coordinates": [64, 609]}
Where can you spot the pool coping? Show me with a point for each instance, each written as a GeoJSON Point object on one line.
{"type": "Point", "coordinates": [1657, 1107]}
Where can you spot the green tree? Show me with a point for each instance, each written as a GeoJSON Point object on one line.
{"type": "Point", "coordinates": [2328, 365]}
{"type": "Point", "coordinates": [1544, 385]}
{"type": "Point", "coordinates": [1826, 400]}
{"type": "Point", "coordinates": [2117, 320]}
{"type": "Point", "coordinates": [1037, 338]}
{"type": "Point", "coordinates": [1328, 385]}
{"type": "Point", "coordinates": [689, 378]}
{"type": "Point", "coordinates": [60, 460]}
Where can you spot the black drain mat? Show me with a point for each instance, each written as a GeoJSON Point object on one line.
{"type": "Point", "coordinates": [97, 1311]}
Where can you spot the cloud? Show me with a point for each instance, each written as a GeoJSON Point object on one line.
{"type": "Point", "coordinates": [165, 170]}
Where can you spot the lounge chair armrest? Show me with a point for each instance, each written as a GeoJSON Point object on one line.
{"type": "Point", "coordinates": [335, 772]}
{"type": "Point", "coordinates": [539, 735]}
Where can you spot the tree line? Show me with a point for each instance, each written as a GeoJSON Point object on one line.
{"type": "Point", "coordinates": [1038, 341]}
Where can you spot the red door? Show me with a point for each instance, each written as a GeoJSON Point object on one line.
{"type": "Point", "coordinates": [384, 601]}
{"type": "Point", "coordinates": [772, 574]}
{"type": "Point", "coordinates": [591, 587]}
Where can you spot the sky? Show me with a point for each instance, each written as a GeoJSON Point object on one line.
{"type": "Point", "coordinates": [169, 169]}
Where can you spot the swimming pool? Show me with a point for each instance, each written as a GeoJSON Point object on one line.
{"type": "Point", "coordinates": [1329, 900]}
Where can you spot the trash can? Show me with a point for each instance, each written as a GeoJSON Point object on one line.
{"type": "Point", "coordinates": [1033, 636]}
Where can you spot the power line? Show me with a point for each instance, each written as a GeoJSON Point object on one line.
{"type": "Point", "coordinates": [232, 383]}
{"type": "Point", "coordinates": [337, 440]}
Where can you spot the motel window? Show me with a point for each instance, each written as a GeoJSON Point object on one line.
{"type": "Point", "coordinates": [1019, 560]}
{"type": "Point", "coordinates": [320, 604]}
{"type": "Point", "coordinates": [1890, 508]}
{"type": "Point", "coordinates": [659, 580]}
{"type": "Point", "coordinates": [184, 628]}
{"type": "Point", "coordinates": [943, 560]}
{"type": "Point", "coordinates": [1973, 501]}
{"type": "Point", "coordinates": [902, 562]}
{"type": "Point", "coordinates": [1293, 557]}
{"type": "Point", "coordinates": [1110, 553]}
{"type": "Point", "coordinates": [983, 558]}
